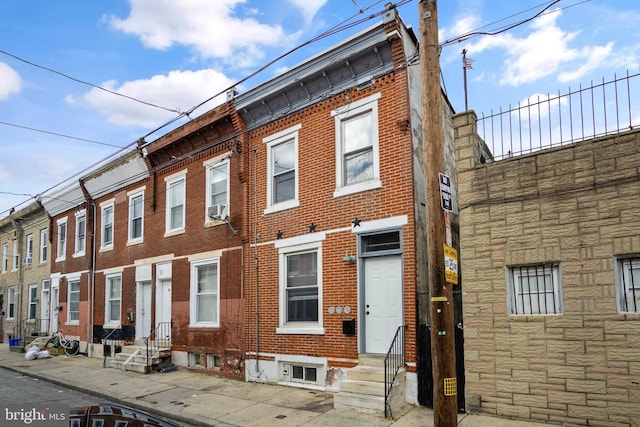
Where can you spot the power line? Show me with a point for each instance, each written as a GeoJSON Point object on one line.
{"type": "Point", "coordinates": [87, 83]}
{"type": "Point", "coordinates": [59, 134]}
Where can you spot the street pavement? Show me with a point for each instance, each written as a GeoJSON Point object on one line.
{"type": "Point", "coordinates": [203, 399]}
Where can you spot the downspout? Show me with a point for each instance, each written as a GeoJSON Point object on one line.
{"type": "Point", "coordinates": [19, 235]}
{"type": "Point", "coordinates": [92, 270]}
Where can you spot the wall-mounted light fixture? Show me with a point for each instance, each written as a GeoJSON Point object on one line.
{"type": "Point", "coordinates": [349, 258]}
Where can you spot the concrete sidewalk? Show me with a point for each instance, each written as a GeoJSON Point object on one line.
{"type": "Point", "coordinates": [202, 399]}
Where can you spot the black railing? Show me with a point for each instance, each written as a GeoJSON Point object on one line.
{"type": "Point", "coordinates": [393, 361]}
{"type": "Point", "coordinates": [111, 342]}
{"type": "Point", "coordinates": [159, 338]}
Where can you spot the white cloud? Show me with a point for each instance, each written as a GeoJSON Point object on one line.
{"type": "Point", "coordinates": [178, 90]}
{"type": "Point", "coordinates": [543, 52]}
{"type": "Point", "coordinates": [309, 8]}
{"type": "Point", "coordinates": [210, 28]}
{"type": "Point", "coordinates": [10, 81]}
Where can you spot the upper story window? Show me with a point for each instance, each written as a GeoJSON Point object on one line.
{"type": "Point", "coordinates": [628, 284]}
{"type": "Point", "coordinates": [357, 146]}
{"type": "Point", "coordinates": [44, 239]}
{"type": "Point", "coordinates": [205, 299]}
{"type": "Point", "coordinates": [29, 251]}
{"type": "Point", "coordinates": [136, 217]}
{"type": "Point", "coordinates": [81, 229]}
{"type": "Point", "coordinates": [15, 257]}
{"type": "Point", "coordinates": [534, 289]}
{"type": "Point", "coordinates": [282, 173]}
{"type": "Point", "coordinates": [217, 204]}
{"type": "Point", "coordinates": [62, 240]}
{"type": "Point", "coordinates": [176, 198]}
{"type": "Point", "coordinates": [300, 267]}
{"type": "Point", "coordinates": [5, 257]}
{"type": "Point", "coordinates": [107, 222]}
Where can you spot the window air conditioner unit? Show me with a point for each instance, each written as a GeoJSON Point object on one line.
{"type": "Point", "coordinates": [218, 212]}
{"type": "Point", "coordinates": [26, 261]}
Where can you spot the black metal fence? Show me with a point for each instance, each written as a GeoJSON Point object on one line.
{"type": "Point", "coordinates": [393, 362]}
{"type": "Point", "coordinates": [546, 120]}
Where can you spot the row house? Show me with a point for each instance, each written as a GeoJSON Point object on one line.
{"type": "Point", "coordinates": [336, 261]}
{"type": "Point", "coordinates": [24, 274]}
{"type": "Point", "coordinates": [279, 237]}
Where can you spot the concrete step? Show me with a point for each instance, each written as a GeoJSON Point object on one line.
{"type": "Point", "coordinates": [141, 368]}
{"type": "Point", "coordinates": [361, 402]}
{"type": "Point", "coordinates": [373, 388]}
{"type": "Point", "coordinates": [366, 373]}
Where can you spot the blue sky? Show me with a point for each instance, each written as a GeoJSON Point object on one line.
{"type": "Point", "coordinates": [177, 54]}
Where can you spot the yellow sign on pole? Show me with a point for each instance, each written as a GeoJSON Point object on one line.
{"type": "Point", "coordinates": [450, 265]}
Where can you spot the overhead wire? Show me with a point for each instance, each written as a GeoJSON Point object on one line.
{"type": "Point", "coordinates": [150, 104]}
{"type": "Point", "coordinates": [342, 26]}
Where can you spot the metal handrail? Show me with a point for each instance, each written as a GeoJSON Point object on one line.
{"type": "Point", "coordinates": [393, 361]}
{"type": "Point", "coordinates": [160, 337]}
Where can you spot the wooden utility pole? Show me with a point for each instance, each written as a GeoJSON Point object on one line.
{"type": "Point", "coordinates": [440, 293]}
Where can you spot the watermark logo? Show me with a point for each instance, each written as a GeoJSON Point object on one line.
{"type": "Point", "coordinates": [23, 415]}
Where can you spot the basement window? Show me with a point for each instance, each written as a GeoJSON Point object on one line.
{"type": "Point", "coordinates": [300, 373]}
{"type": "Point", "coordinates": [195, 360]}
{"type": "Point", "coordinates": [213, 361]}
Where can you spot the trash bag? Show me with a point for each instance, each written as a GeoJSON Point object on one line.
{"type": "Point", "coordinates": [32, 353]}
{"type": "Point", "coordinates": [44, 354]}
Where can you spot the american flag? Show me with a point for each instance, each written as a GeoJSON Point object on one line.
{"type": "Point", "coordinates": [467, 63]}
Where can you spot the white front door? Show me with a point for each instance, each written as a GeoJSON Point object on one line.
{"type": "Point", "coordinates": [55, 303]}
{"type": "Point", "coordinates": [163, 305]}
{"type": "Point", "coordinates": [143, 310]}
{"type": "Point", "coordinates": [382, 302]}
{"type": "Point", "coordinates": [45, 310]}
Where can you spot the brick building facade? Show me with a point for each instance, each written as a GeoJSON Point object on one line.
{"type": "Point", "coordinates": [549, 256]}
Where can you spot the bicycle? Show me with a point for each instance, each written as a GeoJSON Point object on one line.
{"type": "Point", "coordinates": [58, 340]}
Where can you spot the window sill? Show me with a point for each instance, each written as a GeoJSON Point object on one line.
{"type": "Point", "coordinates": [78, 254]}
{"type": "Point", "coordinates": [357, 188]}
{"type": "Point", "coordinates": [174, 232]}
{"type": "Point", "coordinates": [288, 330]}
{"type": "Point", "coordinates": [72, 323]}
{"type": "Point", "coordinates": [203, 328]}
{"type": "Point", "coordinates": [60, 259]}
{"type": "Point", "coordinates": [135, 242]}
{"type": "Point", "coordinates": [112, 326]}
{"type": "Point", "coordinates": [106, 248]}
{"type": "Point", "coordinates": [213, 223]}
{"type": "Point", "coordinates": [289, 204]}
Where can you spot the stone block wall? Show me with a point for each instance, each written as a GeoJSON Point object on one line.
{"type": "Point", "coordinates": [577, 206]}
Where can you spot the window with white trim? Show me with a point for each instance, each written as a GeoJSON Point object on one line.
{"type": "Point", "coordinates": [282, 170]}
{"type": "Point", "coordinates": [113, 302]}
{"type": "Point", "coordinates": [81, 231]}
{"type": "Point", "coordinates": [300, 267]}
{"type": "Point", "coordinates": [44, 239]}
{"type": "Point", "coordinates": [136, 217]}
{"type": "Point", "coordinates": [62, 239]}
{"type": "Point", "coordinates": [217, 187]}
{"type": "Point", "coordinates": [15, 256]}
{"type": "Point", "coordinates": [534, 289]}
{"type": "Point", "coordinates": [11, 302]}
{"type": "Point", "coordinates": [33, 301]}
{"type": "Point", "coordinates": [357, 147]}
{"type": "Point", "coordinates": [205, 298]}
{"type": "Point", "coordinates": [73, 298]}
{"type": "Point", "coordinates": [5, 257]}
{"type": "Point", "coordinates": [29, 251]}
{"type": "Point", "coordinates": [628, 284]}
{"type": "Point", "coordinates": [107, 223]}
{"type": "Point", "coordinates": [176, 197]}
